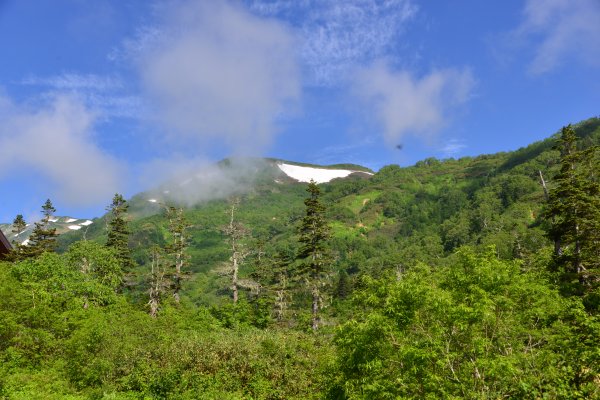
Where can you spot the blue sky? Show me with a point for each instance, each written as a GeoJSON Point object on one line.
{"type": "Point", "coordinates": [115, 95]}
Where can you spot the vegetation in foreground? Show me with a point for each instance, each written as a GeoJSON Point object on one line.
{"type": "Point", "coordinates": [471, 278]}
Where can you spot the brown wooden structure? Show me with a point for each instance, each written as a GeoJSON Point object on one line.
{"type": "Point", "coordinates": [5, 246]}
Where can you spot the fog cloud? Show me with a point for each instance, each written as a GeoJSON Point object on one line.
{"type": "Point", "coordinates": [404, 104]}
{"type": "Point", "coordinates": [215, 72]}
{"type": "Point", "coordinates": [56, 141]}
{"type": "Point", "coordinates": [189, 182]}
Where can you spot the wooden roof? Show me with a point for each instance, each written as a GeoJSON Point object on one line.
{"type": "Point", "coordinates": [5, 246]}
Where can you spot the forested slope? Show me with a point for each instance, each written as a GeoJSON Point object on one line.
{"type": "Point", "coordinates": [440, 280]}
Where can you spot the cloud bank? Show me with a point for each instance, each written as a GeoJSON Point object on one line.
{"type": "Point", "coordinates": [407, 105]}
{"type": "Point", "coordinates": [189, 182]}
{"type": "Point", "coordinates": [216, 72]}
{"type": "Point", "coordinates": [567, 31]}
{"type": "Point", "coordinates": [56, 141]}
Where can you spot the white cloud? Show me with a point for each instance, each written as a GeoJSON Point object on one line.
{"type": "Point", "coordinates": [56, 141]}
{"type": "Point", "coordinates": [452, 148]}
{"type": "Point", "coordinates": [192, 181]}
{"type": "Point", "coordinates": [403, 104]}
{"type": "Point", "coordinates": [107, 95]}
{"type": "Point", "coordinates": [336, 36]}
{"type": "Point", "coordinates": [568, 31]}
{"type": "Point", "coordinates": [218, 73]}
{"type": "Point", "coordinates": [74, 81]}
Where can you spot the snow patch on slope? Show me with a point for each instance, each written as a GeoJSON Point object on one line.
{"type": "Point", "coordinates": [319, 175]}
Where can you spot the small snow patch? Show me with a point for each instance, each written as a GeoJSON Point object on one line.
{"type": "Point", "coordinates": [86, 223]}
{"type": "Point", "coordinates": [319, 175]}
{"type": "Point", "coordinates": [152, 200]}
{"type": "Point", "coordinates": [25, 242]}
{"type": "Point", "coordinates": [69, 220]}
{"type": "Point", "coordinates": [75, 227]}
{"type": "Point", "coordinates": [53, 219]}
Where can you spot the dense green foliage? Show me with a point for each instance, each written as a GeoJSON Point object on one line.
{"type": "Point", "coordinates": [118, 231]}
{"type": "Point", "coordinates": [479, 328]}
{"type": "Point", "coordinates": [447, 279]}
{"type": "Point", "coordinates": [574, 214]}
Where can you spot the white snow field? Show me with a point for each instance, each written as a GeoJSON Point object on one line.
{"type": "Point", "coordinates": [75, 227]}
{"type": "Point", "coordinates": [86, 223]}
{"type": "Point", "coordinates": [319, 175]}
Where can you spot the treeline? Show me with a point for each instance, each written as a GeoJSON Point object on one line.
{"type": "Point", "coordinates": [471, 278]}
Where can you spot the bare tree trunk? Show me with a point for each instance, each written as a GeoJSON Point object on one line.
{"type": "Point", "coordinates": [156, 284]}
{"type": "Point", "coordinates": [280, 298]}
{"type": "Point", "coordinates": [315, 308]}
{"type": "Point", "coordinates": [234, 274]}
{"type": "Point", "coordinates": [235, 231]}
{"type": "Point", "coordinates": [280, 304]}
{"type": "Point", "coordinates": [234, 278]}
{"type": "Point", "coordinates": [546, 196]}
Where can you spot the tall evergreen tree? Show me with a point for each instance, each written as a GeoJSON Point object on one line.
{"type": "Point", "coordinates": [18, 226]}
{"type": "Point", "coordinates": [118, 231]}
{"type": "Point", "coordinates": [314, 234]}
{"type": "Point", "coordinates": [573, 210]}
{"type": "Point", "coordinates": [43, 238]}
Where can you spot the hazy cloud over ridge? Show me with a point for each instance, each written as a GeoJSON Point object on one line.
{"type": "Point", "coordinates": [404, 104]}
{"type": "Point", "coordinates": [56, 141]}
{"type": "Point", "coordinates": [217, 72]}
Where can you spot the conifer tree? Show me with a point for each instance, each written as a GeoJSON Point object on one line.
{"type": "Point", "coordinates": [43, 238]}
{"type": "Point", "coordinates": [18, 226]}
{"type": "Point", "coordinates": [574, 213]}
{"type": "Point", "coordinates": [118, 231]}
{"type": "Point", "coordinates": [314, 234]}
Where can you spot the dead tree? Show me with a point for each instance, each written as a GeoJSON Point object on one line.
{"type": "Point", "coordinates": [236, 232]}
{"type": "Point", "coordinates": [158, 281]}
{"type": "Point", "coordinates": [176, 250]}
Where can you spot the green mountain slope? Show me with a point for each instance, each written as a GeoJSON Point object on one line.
{"type": "Point", "coordinates": [391, 220]}
{"type": "Point", "coordinates": [405, 309]}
